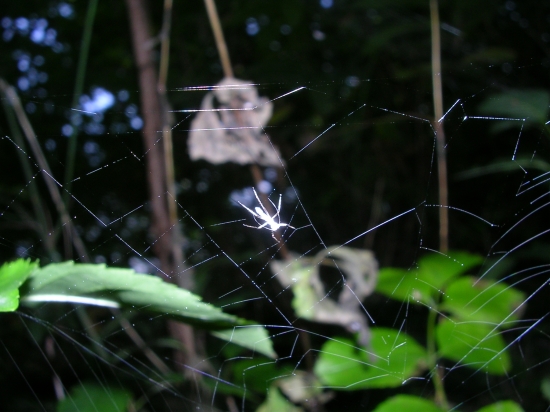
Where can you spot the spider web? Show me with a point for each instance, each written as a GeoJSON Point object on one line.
{"type": "Point", "coordinates": [362, 234]}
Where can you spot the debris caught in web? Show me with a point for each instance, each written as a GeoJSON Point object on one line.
{"type": "Point", "coordinates": [359, 270]}
{"type": "Point", "coordinates": [230, 126]}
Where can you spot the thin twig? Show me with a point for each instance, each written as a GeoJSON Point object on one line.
{"type": "Point", "coordinates": [439, 131]}
{"type": "Point", "coordinates": [185, 281]}
{"type": "Point", "coordinates": [154, 107]}
{"type": "Point", "coordinates": [228, 72]}
{"type": "Point", "coordinates": [218, 35]}
{"type": "Point", "coordinates": [77, 92]}
{"type": "Point", "coordinates": [375, 212]}
{"type": "Point", "coordinates": [165, 46]}
{"type": "Point", "coordinates": [42, 226]}
{"type": "Point", "coordinates": [142, 345]}
{"type": "Point", "coordinates": [184, 333]}
{"type": "Point", "coordinates": [437, 377]}
{"type": "Point", "coordinates": [26, 126]}
{"type": "Point", "coordinates": [177, 254]}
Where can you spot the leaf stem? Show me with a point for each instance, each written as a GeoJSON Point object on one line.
{"type": "Point", "coordinates": [437, 378]}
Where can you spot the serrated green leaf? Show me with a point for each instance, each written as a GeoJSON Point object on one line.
{"type": "Point", "coordinates": [471, 299]}
{"type": "Point", "coordinates": [504, 406]}
{"type": "Point", "coordinates": [99, 285]}
{"type": "Point", "coordinates": [12, 276]}
{"type": "Point", "coordinates": [475, 345]}
{"type": "Point", "coordinates": [424, 283]}
{"type": "Point", "coordinates": [393, 358]}
{"type": "Point", "coordinates": [126, 287]}
{"type": "Point", "coordinates": [408, 403]}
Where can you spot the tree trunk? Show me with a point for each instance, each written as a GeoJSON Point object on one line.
{"type": "Point", "coordinates": [164, 233]}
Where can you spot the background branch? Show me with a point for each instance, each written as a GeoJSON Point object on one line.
{"type": "Point", "coordinates": [439, 131]}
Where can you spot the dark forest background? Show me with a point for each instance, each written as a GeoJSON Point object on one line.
{"type": "Point", "coordinates": [373, 165]}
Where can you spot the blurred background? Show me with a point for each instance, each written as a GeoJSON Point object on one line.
{"type": "Point", "coordinates": [365, 108]}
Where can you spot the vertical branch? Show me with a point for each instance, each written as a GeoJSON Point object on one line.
{"type": "Point", "coordinates": [376, 212]}
{"type": "Point", "coordinates": [151, 109]}
{"type": "Point", "coordinates": [435, 369]}
{"type": "Point", "coordinates": [440, 396]}
{"type": "Point", "coordinates": [438, 126]}
{"type": "Point", "coordinates": [218, 35]}
{"type": "Point", "coordinates": [166, 121]}
{"type": "Point", "coordinates": [165, 46]}
{"type": "Point", "coordinates": [77, 92]}
{"type": "Point", "coordinates": [44, 228]}
{"type": "Point", "coordinates": [182, 332]}
{"type": "Point", "coordinates": [228, 72]}
{"type": "Point", "coordinates": [154, 108]}
{"type": "Point", "coordinates": [186, 280]}
{"type": "Point", "coordinates": [70, 232]}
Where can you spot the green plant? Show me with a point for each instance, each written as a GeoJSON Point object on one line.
{"type": "Point", "coordinates": [129, 293]}
{"type": "Point", "coordinates": [465, 324]}
{"type": "Point", "coordinates": [98, 285]}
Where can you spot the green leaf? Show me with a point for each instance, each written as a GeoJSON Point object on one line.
{"type": "Point", "coordinates": [12, 276]}
{"type": "Point", "coordinates": [503, 406]}
{"type": "Point", "coordinates": [253, 337]}
{"type": "Point", "coordinates": [490, 55]}
{"type": "Point", "coordinates": [256, 374]}
{"type": "Point", "coordinates": [277, 402]}
{"type": "Point", "coordinates": [545, 388]}
{"type": "Point", "coordinates": [426, 282]}
{"type": "Point", "coordinates": [471, 299]}
{"type": "Point", "coordinates": [305, 297]}
{"type": "Point", "coordinates": [505, 166]}
{"type": "Point", "coordinates": [393, 358]}
{"type": "Point", "coordinates": [90, 397]}
{"type": "Point", "coordinates": [531, 105]}
{"type": "Point", "coordinates": [65, 282]}
{"type": "Point", "coordinates": [113, 287]}
{"type": "Point", "coordinates": [475, 345]}
{"type": "Point", "coordinates": [407, 403]}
